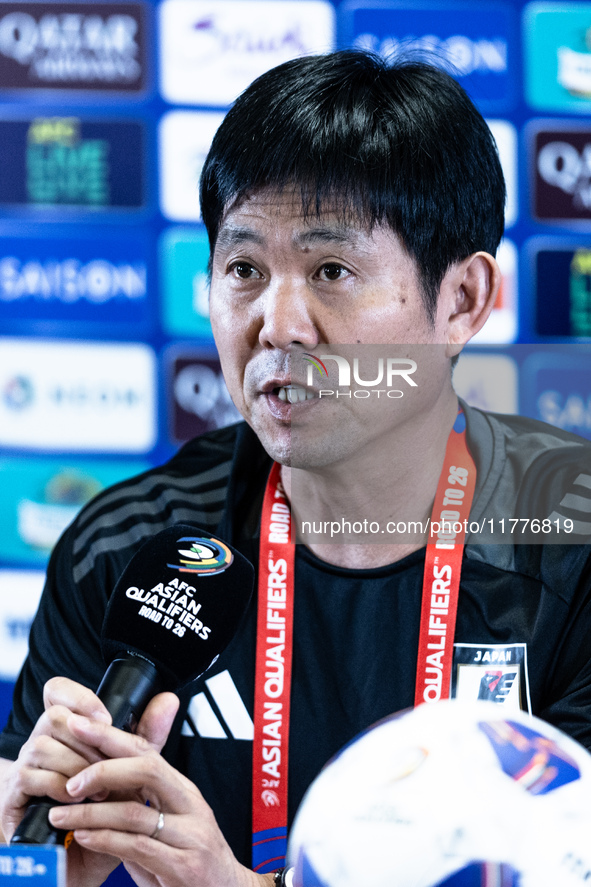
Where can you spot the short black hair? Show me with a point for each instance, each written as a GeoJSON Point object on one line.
{"type": "Point", "coordinates": [395, 143]}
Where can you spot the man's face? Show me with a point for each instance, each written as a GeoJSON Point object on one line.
{"type": "Point", "coordinates": [282, 284]}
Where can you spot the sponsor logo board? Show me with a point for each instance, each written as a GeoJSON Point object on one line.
{"type": "Point", "coordinates": [505, 136]}
{"type": "Point", "coordinates": [558, 56]}
{"type": "Point", "coordinates": [562, 289]}
{"type": "Point", "coordinates": [20, 591]}
{"type": "Point", "coordinates": [41, 497]}
{"type": "Point", "coordinates": [185, 138]}
{"type": "Point", "coordinates": [561, 169]}
{"type": "Point", "coordinates": [72, 46]}
{"type": "Point", "coordinates": [72, 162]}
{"type": "Point", "coordinates": [77, 396]}
{"type": "Point", "coordinates": [211, 50]}
{"type": "Point", "coordinates": [557, 387]}
{"type": "Point", "coordinates": [477, 44]}
{"type": "Point", "coordinates": [184, 254]}
{"type": "Point", "coordinates": [75, 278]}
{"type": "Point", "coordinates": [488, 381]}
{"type": "Point", "coordinates": [197, 394]}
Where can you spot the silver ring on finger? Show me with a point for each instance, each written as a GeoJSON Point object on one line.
{"type": "Point", "coordinates": [159, 826]}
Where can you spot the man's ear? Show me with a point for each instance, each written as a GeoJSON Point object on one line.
{"type": "Point", "coordinates": [469, 290]}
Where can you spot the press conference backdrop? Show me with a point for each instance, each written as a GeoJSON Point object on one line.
{"type": "Point", "coordinates": [107, 110]}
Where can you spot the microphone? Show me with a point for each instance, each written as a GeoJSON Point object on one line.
{"type": "Point", "coordinates": [175, 608]}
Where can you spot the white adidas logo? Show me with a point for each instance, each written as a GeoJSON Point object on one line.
{"type": "Point", "coordinates": [229, 718]}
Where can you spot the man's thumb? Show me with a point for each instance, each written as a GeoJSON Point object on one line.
{"type": "Point", "coordinates": [157, 719]}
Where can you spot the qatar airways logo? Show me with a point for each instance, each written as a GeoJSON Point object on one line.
{"type": "Point", "coordinates": [71, 45]}
{"type": "Point", "coordinates": [386, 372]}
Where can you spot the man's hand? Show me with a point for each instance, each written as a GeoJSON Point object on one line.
{"type": "Point", "coordinates": [189, 849]}
{"type": "Point", "coordinates": [54, 753]}
{"type": "Point", "coordinates": [51, 755]}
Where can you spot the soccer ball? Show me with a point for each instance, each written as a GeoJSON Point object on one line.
{"type": "Point", "coordinates": [449, 795]}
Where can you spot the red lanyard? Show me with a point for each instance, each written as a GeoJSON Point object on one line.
{"type": "Point", "coordinates": [272, 680]}
{"type": "Point", "coordinates": [441, 580]}
{"type": "Point", "coordinates": [443, 565]}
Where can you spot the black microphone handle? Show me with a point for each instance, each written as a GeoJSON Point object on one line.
{"type": "Point", "coordinates": [125, 690]}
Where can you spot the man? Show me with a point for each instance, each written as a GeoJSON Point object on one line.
{"type": "Point", "coordinates": [348, 203]}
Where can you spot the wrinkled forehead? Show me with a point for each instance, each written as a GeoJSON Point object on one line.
{"type": "Point", "coordinates": [269, 209]}
{"type": "Point", "coordinates": [301, 203]}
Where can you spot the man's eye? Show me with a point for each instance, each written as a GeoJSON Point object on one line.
{"type": "Point", "coordinates": [245, 271]}
{"type": "Point", "coordinates": [332, 271]}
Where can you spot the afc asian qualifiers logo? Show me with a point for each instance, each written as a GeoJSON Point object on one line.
{"type": "Point", "coordinates": [203, 556]}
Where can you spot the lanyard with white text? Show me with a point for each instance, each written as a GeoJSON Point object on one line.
{"type": "Point", "coordinates": [443, 565]}
{"type": "Point", "coordinates": [272, 679]}
{"type": "Point", "coordinates": [441, 579]}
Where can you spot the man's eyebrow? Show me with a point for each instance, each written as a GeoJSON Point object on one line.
{"type": "Point", "coordinates": [233, 235]}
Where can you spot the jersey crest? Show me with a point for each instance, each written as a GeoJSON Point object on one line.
{"type": "Point", "coordinates": [494, 672]}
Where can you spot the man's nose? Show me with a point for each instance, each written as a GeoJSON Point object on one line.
{"type": "Point", "coordinates": [288, 316]}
